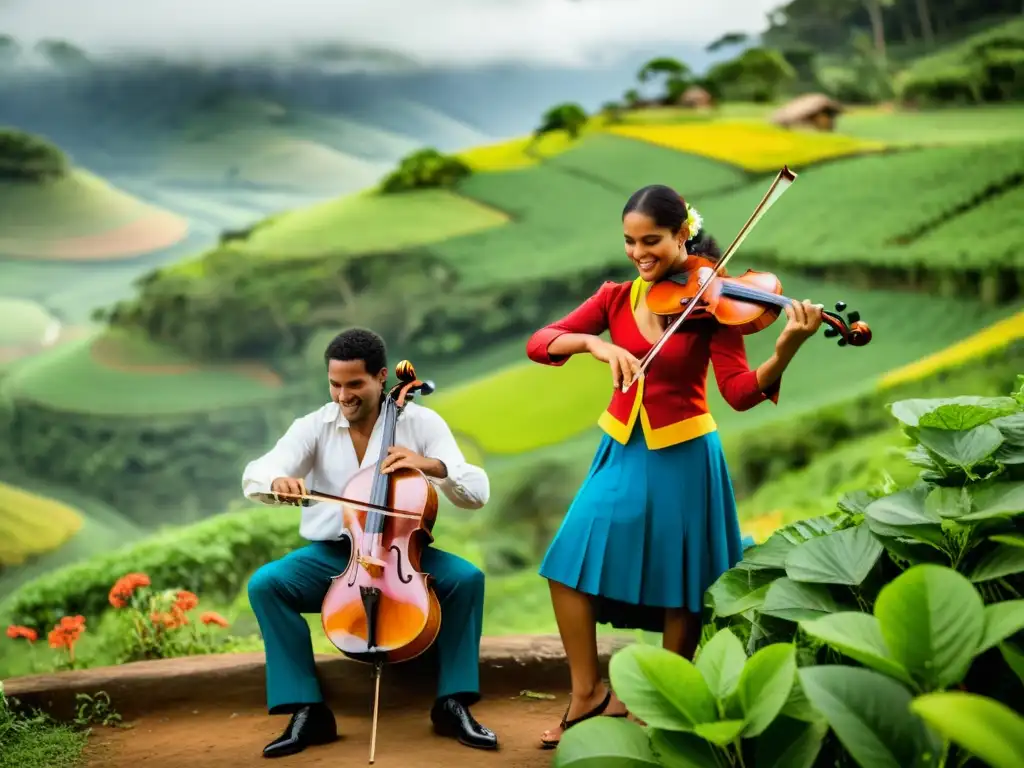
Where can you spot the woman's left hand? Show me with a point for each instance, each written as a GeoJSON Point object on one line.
{"type": "Point", "coordinates": [803, 321]}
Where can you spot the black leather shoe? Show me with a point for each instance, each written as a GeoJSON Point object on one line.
{"type": "Point", "coordinates": [312, 725]}
{"type": "Point", "coordinates": [452, 718]}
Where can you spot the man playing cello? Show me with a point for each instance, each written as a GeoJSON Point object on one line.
{"type": "Point", "coordinates": [327, 447]}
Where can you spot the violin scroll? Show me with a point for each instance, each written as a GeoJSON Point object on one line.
{"type": "Point", "coordinates": [851, 330]}
{"type": "Point", "coordinates": [408, 384]}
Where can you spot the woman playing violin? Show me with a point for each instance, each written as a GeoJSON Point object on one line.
{"type": "Point", "coordinates": [654, 523]}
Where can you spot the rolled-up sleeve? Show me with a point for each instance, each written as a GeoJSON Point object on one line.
{"type": "Point", "coordinates": [466, 485]}
{"type": "Point", "coordinates": [736, 381]}
{"type": "Point", "coordinates": [591, 317]}
{"type": "Point", "coordinates": [291, 456]}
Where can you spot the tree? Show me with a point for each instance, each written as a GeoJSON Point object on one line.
{"type": "Point", "coordinates": [423, 169]}
{"type": "Point", "coordinates": [28, 158]}
{"type": "Point", "coordinates": [757, 73]}
{"type": "Point", "coordinates": [677, 76]}
{"type": "Point", "coordinates": [569, 117]}
{"type": "Point", "coordinates": [537, 503]}
{"type": "Point", "coordinates": [9, 49]}
{"type": "Point", "coordinates": [727, 40]}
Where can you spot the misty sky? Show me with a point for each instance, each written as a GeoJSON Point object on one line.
{"type": "Point", "coordinates": [460, 32]}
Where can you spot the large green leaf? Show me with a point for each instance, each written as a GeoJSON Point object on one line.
{"type": "Point", "coordinates": [964, 449]}
{"type": "Point", "coordinates": [804, 530]}
{"type": "Point", "coordinates": [798, 707]}
{"type": "Point", "coordinates": [1002, 620]}
{"type": "Point", "coordinates": [967, 410]}
{"type": "Point", "coordinates": [1014, 658]}
{"type": "Point", "coordinates": [790, 743]}
{"type": "Point", "coordinates": [683, 750]}
{"type": "Point", "coordinates": [1010, 539]}
{"type": "Point", "coordinates": [932, 620]}
{"type": "Point", "coordinates": [905, 513]}
{"type": "Point", "coordinates": [843, 557]}
{"type": "Point", "coordinates": [605, 742]}
{"type": "Point", "coordinates": [859, 636]}
{"type": "Point", "coordinates": [795, 601]}
{"type": "Point", "coordinates": [997, 500]}
{"type": "Point", "coordinates": [661, 688]}
{"type": "Point", "coordinates": [738, 590]}
{"type": "Point", "coordinates": [984, 727]}
{"type": "Point", "coordinates": [720, 663]}
{"type": "Point", "coordinates": [770, 554]}
{"type": "Point", "coordinates": [1000, 561]}
{"type": "Point", "coordinates": [765, 684]}
{"type": "Point", "coordinates": [948, 503]}
{"type": "Point", "coordinates": [870, 714]}
{"type": "Point", "coordinates": [722, 733]}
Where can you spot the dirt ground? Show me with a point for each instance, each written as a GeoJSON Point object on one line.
{"type": "Point", "coordinates": [231, 738]}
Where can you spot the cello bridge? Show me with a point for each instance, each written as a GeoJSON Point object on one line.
{"type": "Point", "coordinates": [371, 565]}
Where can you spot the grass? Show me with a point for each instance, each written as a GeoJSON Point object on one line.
{"type": "Point", "coordinates": [370, 222]}
{"type": "Point", "coordinates": [971, 125]}
{"type": "Point", "coordinates": [28, 741]}
{"type": "Point", "coordinates": [994, 337]}
{"type": "Point", "coordinates": [566, 212]}
{"type": "Point", "coordinates": [905, 327]}
{"type": "Point", "coordinates": [32, 525]}
{"type": "Point", "coordinates": [81, 217]}
{"type": "Point", "coordinates": [24, 324]}
{"type": "Point", "coordinates": [103, 529]}
{"type": "Point", "coordinates": [757, 147]}
{"type": "Point", "coordinates": [847, 210]}
{"type": "Point", "coordinates": [117, 386]}
{"type": "Point", "coordinates": [513, 154]}
{"type": "Point", "coordinates": [816, 489]}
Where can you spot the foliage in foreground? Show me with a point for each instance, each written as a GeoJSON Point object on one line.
{"type": "Point", "coordinates": [212, 558]}
{"type": "Point", "coordinates": [886, 634]}
{"type": "Point", "coordinates": [33, 739]}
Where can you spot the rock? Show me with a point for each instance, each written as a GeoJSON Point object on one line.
{"type": "Point", "coordinates": [507, 665]}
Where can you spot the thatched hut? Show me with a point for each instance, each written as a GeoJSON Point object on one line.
{"type": "Point", "coordinates": [696, 98]}
{"type": "Point", "coordinates": [812, 110]}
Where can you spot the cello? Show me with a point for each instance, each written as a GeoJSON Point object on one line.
{"type": "Point", "coordinates": [751, 302]}
{"type": "Point", "coordinates": [382, 609]}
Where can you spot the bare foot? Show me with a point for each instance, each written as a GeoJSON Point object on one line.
{"type": "Point", "coordinates": [579, 706]}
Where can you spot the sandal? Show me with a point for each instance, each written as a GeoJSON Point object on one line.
{"type": "Point", "coordinates": [565, 725]}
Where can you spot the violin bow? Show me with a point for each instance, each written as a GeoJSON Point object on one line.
{"type": "Point", "coordinates": [782, 182]}
{"type": "Point", "coordinates": [330, 497]}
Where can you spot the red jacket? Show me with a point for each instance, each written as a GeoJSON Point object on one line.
{"type": "Point", "coordinates": [670, 398]}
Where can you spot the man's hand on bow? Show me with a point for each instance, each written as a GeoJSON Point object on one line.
{"type": "Point", "coordinates": [402, 458]}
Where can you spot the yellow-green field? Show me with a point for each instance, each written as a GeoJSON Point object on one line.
{"type": "Point", "coordinates": [24, 325]}
{"type": "Point", "coordinates": [81, 217]}
{"type": "Point", "coordinates": [757, 147]}
{"type": "Point", "coordinates": [32, 525]}
{"type": "Point", "coordinates": [369, 222]}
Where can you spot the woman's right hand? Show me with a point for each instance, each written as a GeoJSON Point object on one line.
{"type": "Point", "coordinates": [622, 363]}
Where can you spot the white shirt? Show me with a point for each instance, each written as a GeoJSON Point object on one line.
{"type": "Point", "coordinates": [318, 448]}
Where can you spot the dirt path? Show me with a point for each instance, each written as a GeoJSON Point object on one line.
{"type": "Point", "coordinates": [221, 737]}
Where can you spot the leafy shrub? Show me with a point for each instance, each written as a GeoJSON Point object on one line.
{"type": "Point", "coordinates": [860, 626]}
{"type": "Point", "coordinates": [213, 558]}
{"type": "Point", "coordinates": [424, 169]}
{"type": "Point", "coordinates": [28, 158]}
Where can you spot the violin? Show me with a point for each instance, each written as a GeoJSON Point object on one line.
{"type": "Point", "coordinates": [383, 609]}
{"type": "Point", "coordinates": [750, 302]}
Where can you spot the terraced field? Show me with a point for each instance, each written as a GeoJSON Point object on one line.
{"type": "Point", "coordinates": [553, 212]}
{"type": "Point", "coordinates": [122, 375]}
{"type": "Point", "coordinates": [81, 217]}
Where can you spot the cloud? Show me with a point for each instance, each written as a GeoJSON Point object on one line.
{"type": "Point", "coordinates": [449, 32]}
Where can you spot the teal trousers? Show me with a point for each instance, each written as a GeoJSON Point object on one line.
{"type": "Point", "coordinates": [281, 591]}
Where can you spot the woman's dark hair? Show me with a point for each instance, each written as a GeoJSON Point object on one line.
{"type": "Point", "coordinates": [667, 208]}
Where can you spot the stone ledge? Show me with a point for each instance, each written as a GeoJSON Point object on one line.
{"type": "Point", "coordinates": [507, 666]}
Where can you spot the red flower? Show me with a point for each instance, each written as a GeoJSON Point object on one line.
{"type": "Point", "coordinates": [209, 617]}
{"type": "Point", "coordinates": [186, 601]}
{"type": "Point", "coordinates": [122, 591]}
{"type": "Point", "coordinates": [16, 631]}
{"type": "Point", "coordinates": [67, 632]}
{"type": "Point", "coordinates": [169, 620]}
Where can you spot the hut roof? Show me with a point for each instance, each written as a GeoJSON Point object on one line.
{"type": "Point", "coordinates": [805, 107]}
{"type": "Point", "coordinates": [695, 94]}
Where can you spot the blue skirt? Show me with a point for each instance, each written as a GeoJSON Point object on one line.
{"type": "Point", "coordinates": [648, 530]}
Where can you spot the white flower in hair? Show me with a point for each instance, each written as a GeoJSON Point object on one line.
{"type": "Point", "coordinates": [694, 222]}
